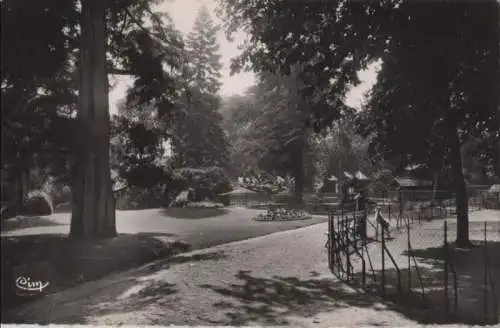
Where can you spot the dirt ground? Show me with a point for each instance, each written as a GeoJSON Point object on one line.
{"type": "Point", "coordinates": [473, 277]}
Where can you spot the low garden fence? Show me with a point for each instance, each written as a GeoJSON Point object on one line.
{"type": "Point", "coordinates": [419, 266]}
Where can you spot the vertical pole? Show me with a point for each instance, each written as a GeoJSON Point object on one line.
{"type": "Point", "coordinates": [446, 304]}
{"type": "Point", "coordinates": [382, 279]}
{"type": "Point", "coordinates": [400, 204]}
{"type": "Point", "coordinates": [340, 243]}
{"type": "Point", "coordinates": [365, 223]}
{"type": "Point", "coordinates": [409, 256]}
{"type": "Point", "coordinates": [485, 274]}
{"type": "Point", "coordinates": [355, 222]}
{"type": "Point", "coordinates": [330, 244]}
{"type": "Point", "coordinates": [347, 248]}
{"type": "Point", "coordinates": [363, 277]}
{"type": "Point", "coordinates": [389, 209]}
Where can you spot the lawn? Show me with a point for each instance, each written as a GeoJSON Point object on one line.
{"type": "Point", "coordinates": [39, 246]}
{"type": "Point", "coordinates": [64, 262]}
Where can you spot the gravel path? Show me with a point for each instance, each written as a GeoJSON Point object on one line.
{"type": "Point", "coordinates": [278, 279]}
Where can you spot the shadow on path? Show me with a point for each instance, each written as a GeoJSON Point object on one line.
{"type": "Point", "coordinates": [269, 301]}
{"type": "Point", "coordinates": [423, 296]}
{"type": "Point", "coordinates": [123, 294]}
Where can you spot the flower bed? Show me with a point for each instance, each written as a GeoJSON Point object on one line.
{"type": "Point", "coordinates": [282, 214]}
{"type": "Point", "coordinates": [204, 204]}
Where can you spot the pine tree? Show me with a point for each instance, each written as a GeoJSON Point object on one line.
{"type": "Point", "coordinates": [199, 139]}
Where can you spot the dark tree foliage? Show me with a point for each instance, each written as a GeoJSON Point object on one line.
{"type": "Point", "coordinates": [438, 84]}
{"type": "Point", "coordinates": [438, 88]}
{"type": "Point", "coordinates": [137, 151]}
{"type": "Point", "coordinates": [199, 139]}
{"type": "Point", "coordinates": [330, 40]}
{"type": "Point", "coordinates": [86, 39]}
{"type": "Point", "coordinates": [34, 95]}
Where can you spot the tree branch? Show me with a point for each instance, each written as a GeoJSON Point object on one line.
{"type": "Point", "coordinates": [138, 23]}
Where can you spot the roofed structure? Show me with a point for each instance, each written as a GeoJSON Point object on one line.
{"type": "Point", "coordinates": [407, 182]}
{"type": "Point", "coordinates": [360, 176]}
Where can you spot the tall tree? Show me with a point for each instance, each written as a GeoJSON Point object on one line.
{"type": "Point", "coordinates": [239, 112]}
{"type": "Point", "coordinates": [91, 38]}
{"type": "Point", "coordinates": [438, 87]}
{"type": "Point", "coordinates": [199, 139]}
{"type": "Point", "coordinates": [450, 83]}
{"type": "Point", "coordinates": [37, 100]}
{"type": "Point", "coordinates": [278, 139]}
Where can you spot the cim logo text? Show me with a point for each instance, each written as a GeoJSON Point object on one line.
{"type": "Point", "coordinates": [25, 283]}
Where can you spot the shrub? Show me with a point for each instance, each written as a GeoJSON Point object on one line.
{"type": "Point", "coordinates": [38, 203]}
{"type": "Point", "coordinates": [206, 182]}
{"type": "Point", "coordinates": [9, 211]}
{"type": "Point", "coordinates": [61, 194]}
{"type": "Point", "coordinates": [381, 183]}
{"type": "Point", "coordinates": [224, 199]}
{"type": "Point", "coordinates": [182, 199]}
{"type": "Point", "coordinates": [139, 198]}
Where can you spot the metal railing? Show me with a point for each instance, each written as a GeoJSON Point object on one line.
{"type": "Point", "coordinates": [355, 260]}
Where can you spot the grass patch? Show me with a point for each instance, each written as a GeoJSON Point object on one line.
{"type": "Point", "coordinates": [23, 222]}
{"type": "Point", "coordinates": [65, 262]}
{"type": "Point", "coordinates": [194, 213]}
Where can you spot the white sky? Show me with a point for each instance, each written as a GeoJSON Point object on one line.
{"type": "Point", "coordinates": [183, 13]}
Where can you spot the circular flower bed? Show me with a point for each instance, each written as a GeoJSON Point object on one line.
{"type": "Point", "coordinates": [282, 214]}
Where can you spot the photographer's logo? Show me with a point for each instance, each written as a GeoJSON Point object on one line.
{"type": "Point", "coordinates": [28, 285]}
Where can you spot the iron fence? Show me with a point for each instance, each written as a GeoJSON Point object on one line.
{"type": "Point", "coordinates": [414, 262]}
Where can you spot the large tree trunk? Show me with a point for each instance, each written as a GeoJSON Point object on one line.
{"type": "Point", "coordinates": [93, 213]}
{"type": "Point", "coordinates": [462, 202]}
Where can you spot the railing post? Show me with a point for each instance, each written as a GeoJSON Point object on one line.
{"type": "Point", "coordinates": [400, 205]}
{"type": "Point", "coordinates": [347, 249]}
{"type": "Point", "coordinates": [382, 278]}
{"type": "Point", "coordinates": [409, 256]}
{"type": "Point", "coordinates": [363, 269]}
{"type": "Point", "coordinates": [331, 236]}
{"type": "Point", "coordinates": [389, 210]}
{"type": "Point", "coordinates": [446, 303]}
{"type": "Point", "coordinates": [485, 274]}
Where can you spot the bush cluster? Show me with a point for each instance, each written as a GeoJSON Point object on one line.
{"type": "Point", "coordinates": [38, 203]}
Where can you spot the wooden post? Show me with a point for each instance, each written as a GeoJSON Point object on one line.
{"type": "Point", "coordinates": [400, 204]}
{"type": "Point", "coordinates": [409, 255]}
{"type": "Point", "coordinates": [485, 273]}
{"type": "Point", "coordinates": [382, 279]}
{"type": "Point", "coordinates": [446, 304]}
